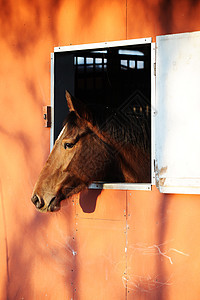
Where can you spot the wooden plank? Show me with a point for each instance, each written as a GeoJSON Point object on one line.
{"type": "Point", "coordinates": [101, 243]}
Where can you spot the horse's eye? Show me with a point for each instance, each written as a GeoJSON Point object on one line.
{"type": "Point", "coordinates": [68, 145]}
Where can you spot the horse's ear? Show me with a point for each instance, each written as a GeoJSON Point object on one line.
{"type": "Point", "coordinates": [71, 101]}
{"type": "Point", "coordinates": [78, 107]}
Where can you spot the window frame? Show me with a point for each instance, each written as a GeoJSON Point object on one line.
{"type": "Point", "coordinates": [93, 46]}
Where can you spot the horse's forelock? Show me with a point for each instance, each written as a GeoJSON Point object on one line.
{"type": "Point", "coordinates": [71, 120]}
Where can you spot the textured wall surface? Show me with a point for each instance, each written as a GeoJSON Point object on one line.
{"type": "Point", "coordinates": [101, 245]}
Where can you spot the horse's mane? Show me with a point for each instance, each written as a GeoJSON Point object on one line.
{"type": "Point", "coordinates": [124, 127]}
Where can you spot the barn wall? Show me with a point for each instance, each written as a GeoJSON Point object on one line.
{"type": "Point", "coordinates": [102, 244]}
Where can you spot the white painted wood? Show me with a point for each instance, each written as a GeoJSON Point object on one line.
{"type": "Point", "coordinates": [52, 103]}
{"type": "Point", "coordinates": [103, 45]}
{"type": "Point", "coordinates": [121, 186]}
{"type": "Point", "coordinates": [178, 113]}
{"type": "Point", "coordinates": [153, 111]}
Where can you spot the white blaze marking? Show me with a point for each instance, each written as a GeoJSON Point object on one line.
{"type": "Point", "coordinates": [61, 133]}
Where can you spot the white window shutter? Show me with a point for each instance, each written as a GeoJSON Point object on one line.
{"type": "Point", "coordinates": [177, 120]}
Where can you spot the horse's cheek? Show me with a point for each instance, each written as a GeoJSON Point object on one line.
{"type": "Point", "coordinates": [66, 159]}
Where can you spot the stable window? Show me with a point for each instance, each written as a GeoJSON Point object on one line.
{"type": "Point", "coordinates": [110, 74]}
{"type": "Point", "coordinates": [161, 80]}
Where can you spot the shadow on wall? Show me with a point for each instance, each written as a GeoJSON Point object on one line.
{"type": "Point", "coordinates": [41, 253]}
{"type": "Point", "coordinates": [88, 200]}
{"type": "Point", "coordinates": [162, 231]}
{"type": "Point", "coordinates": [24, 30]}
{"type": "Point", "coordinates": [42, 257]}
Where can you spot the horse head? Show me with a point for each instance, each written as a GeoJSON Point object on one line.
{"type": "Point", "coordinates": [81, 154]}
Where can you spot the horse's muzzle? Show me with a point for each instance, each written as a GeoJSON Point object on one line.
{"type": "Point", "coordinates": [38, 202]}
{"type": "Point", "coordinates": [53, 205]}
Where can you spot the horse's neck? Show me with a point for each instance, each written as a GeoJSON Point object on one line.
{"type": "Point", "coordinates": [135, 165]}
{"type": "Point", "coordinates": [134, 162]}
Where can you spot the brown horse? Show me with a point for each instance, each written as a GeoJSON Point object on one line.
{"type": "Point", "coordinates": [92, 147]}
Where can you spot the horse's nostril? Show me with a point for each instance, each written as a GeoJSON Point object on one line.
{"type": "Point", "coordinates": [37, 201]}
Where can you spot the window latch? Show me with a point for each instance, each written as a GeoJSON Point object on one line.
{"type": "Point", "coordinates": [47, 116]}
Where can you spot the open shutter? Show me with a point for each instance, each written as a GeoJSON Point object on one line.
{"type": "Point", "coordinates": [177, 120]}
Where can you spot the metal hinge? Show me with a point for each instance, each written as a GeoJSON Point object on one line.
{"type": "Point", "coordinates": [47, 116]}
{"type": "Point", "coordinates": [154, 67]}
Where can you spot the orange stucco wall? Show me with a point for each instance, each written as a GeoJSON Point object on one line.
{"type": "Point", "coordinates": [101, 245]}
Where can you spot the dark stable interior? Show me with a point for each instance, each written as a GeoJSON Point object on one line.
{"type": "Point", "coordinates": [110, 77]}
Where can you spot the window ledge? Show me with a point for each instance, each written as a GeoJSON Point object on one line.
{"type": "Point", "coordinates": [121, 186]}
